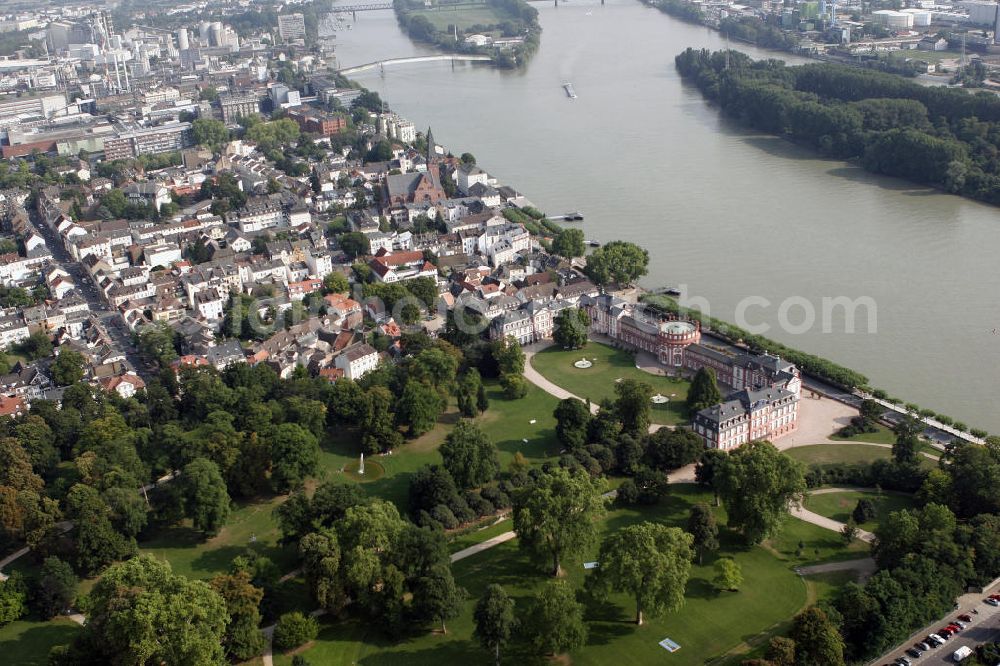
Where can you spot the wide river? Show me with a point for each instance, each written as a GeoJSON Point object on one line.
{"type": "Point", "coordinates": [728, 214]}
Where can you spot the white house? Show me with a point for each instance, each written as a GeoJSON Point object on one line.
{"type": "Point", "coordinates": [358, 360]}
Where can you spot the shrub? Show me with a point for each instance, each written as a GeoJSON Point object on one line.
{"type": "Point", "coordinates": [294, 629]}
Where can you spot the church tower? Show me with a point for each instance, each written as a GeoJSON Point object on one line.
{"type": "Point", "coordinates": [431, 147]}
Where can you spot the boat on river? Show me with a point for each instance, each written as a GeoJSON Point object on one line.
{"type": "Point", "coordinates": [568, 87]}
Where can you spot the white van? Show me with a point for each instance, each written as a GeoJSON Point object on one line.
{"type": "Point", "coordinates": [961, 653]}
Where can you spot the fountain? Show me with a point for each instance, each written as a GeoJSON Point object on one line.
{"type": "Point", "coordinates": [361, 465]}
{"type": "Point", "coordinates": [583, 364]}
{"type": "Point", "coordinates": [659, 399]}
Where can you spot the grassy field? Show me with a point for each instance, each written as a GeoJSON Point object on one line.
{"type": "Point", "coordinates": [27, 642]}
{"type": "Point", "coordinates": [191, 555]}
{"type": "Point", "coordinates": [838, 506]}
{"type": "Point", "coordinates": [463, 16]}
{"type": "Point", "coordinates": [598, 382]}
{"type": "Point", "coordinates": [824, 454]}
{"type": "Point", "coordinates": [882, 435]}
{"type": "Point", "coordinates": [480, 535]}
{"type": "Point", "coordinates": [710, 623]}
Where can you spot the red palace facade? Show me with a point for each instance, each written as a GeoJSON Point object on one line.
{"type": "Point", "coordinates": [765, 389]}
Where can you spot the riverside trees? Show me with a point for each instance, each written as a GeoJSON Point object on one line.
{"type": "Point", "coordinates": [878, 118]}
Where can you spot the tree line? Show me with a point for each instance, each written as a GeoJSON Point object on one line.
{"type": "Point", "coordinates": [943, 137]}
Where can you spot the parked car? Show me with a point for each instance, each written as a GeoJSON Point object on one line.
{"type": "Point", "coordinates": [965, 617]}
{"type": "Point", "coordinates": [961, 653]}
{"type": "Point", "coordinates": [992, 602]}
{"type": "Point", "coordinates": [924, 645]}
{"type": "Point", "coordinates": [935, 640]}
{"type": "Point", "coordinates": [944, 633]}
{"type": "Point", "coordinates": [903, 661]}
{"type": "Point", "coordinates": [913, 652]}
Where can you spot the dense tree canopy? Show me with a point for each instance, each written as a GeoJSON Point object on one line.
{"type": "Point", "coordinates": [556, 516]}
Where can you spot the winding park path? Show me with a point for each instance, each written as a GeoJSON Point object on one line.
{"type": "Point", "coordinates": [555, 390]}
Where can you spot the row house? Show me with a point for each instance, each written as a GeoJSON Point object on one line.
{"type": "Point", "coordinates": [357, 361]}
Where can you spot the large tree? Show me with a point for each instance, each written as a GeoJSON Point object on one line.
{"type": "Point", "coordinates": [295, 455]}
{"type": "Point", "coordinates": [205, 499]}
{"type": "Point", "coordinates": [469, 455]}
{"type": "Point", "coordinates": [702, 527]}
{"type": "Point", "coordinates": [436, 597]}
{"type": "Point", "coordinates": [704, 391]}
{"type": "Point", "coordinates": [142, 613]}
{"type": "Point", "coordinates": [379, 433]}
{"type": "Point", "coordinates": [244, 639]}
{"type": "Point", "coordinates": [555, 620]}
{"type": "Point", "coordinates": [618, 262]}
{"type": "Point", "coordinates": [569, 243]}
{"type": "Point", "coordinates": [757, 486]}
{"type": "Point", "coordinates": [817, 640]}
{"type": "Point", "coordinates": [648, 561]}
{"type": "Point", "coordinates": [556, 516]}
{"type": "Point", "coordinates": [572, 422]}
{"type": "Point", "coordinates": [320, 555]}
{"type": "Point", "coordinates": [418, 407]}
{"type": "Point", "coordinates": [668, 449]}
{"type": "Point", "coordinates": [633, 405]}
{"type": "Point", "coordinates": [56, 587]}
{"type": "Point", "coordinates": [495, 619]}
{"type": "Point", "coordinates": [570, 328]}
{"type": "Point", "coordinates": [68, 367]}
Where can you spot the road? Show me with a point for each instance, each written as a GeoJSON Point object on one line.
{"type": "Point", "coordinates": [985, 627]}
{"type": "Point", "coordinates": [108, 317]}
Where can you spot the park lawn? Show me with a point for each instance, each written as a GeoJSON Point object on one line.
{"type": "Point", "coordinates": [27, 642]}
{"type": "Point", "coordinates": [709, 624]}
{"type": "Point", "coordinates": [824, 586]}
{"type": "Point", "coordinates": [825, 454]}
{"type": "Point", "coordinates": [838, 506]}
{"type": "Point", "coordinates": [464, 16]}
{"type": "Point", "coordinates": [507, 423]}
{"type": "Point", "coordinates": [195, 557]}
{"type": "Point", "coordinates": [819, 545]}
{"type": "Point", "coordinates": [598, 382]}
{"type": "Point", "coordinates": [480, 534]}
{"type": "Point", "coordinates": [882, 435]}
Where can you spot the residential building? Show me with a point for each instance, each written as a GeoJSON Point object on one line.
{"type": "Point", "coordinates": [357, 360]}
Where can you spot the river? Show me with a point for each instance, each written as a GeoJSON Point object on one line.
{"type": "Point", "coordinates": [729, 214]}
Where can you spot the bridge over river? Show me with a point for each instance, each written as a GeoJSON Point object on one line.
{"type": "Point", "coordinates": [400, 61]}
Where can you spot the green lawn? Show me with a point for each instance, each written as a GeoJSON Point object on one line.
{"type": "Point", "coordinates": [824, 454]}
{"type": "Point", "coordinates": [508, 423]}
{"type": "Point", "coordinates": [819, 545]}
{"type": "Point", "coordinates": [882, 435]}
{"type": "Point", "coordinates": [851, 454]}
{"type": "Point", "coordinates": [709, 624]}
{"type": "Point", "coordinates": [27, 642]}
{"type": "Point", "coordinates": [838, 506]}
{"type": "Point", "coordinates": [191, 555]}
{"type": "Point", "coordinates": [480, 535]}
{"type": "Point", "coordinates": [463, 16]}
{"type": "Point", "coordinates": [825, 585]}
{"type": "Point", "coordinates": [598, 381]}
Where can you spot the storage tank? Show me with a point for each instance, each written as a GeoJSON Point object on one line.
{"type": "Point", "coordinates": [921, 17]}
{"type": "Point", "coordinates": [892, 19]}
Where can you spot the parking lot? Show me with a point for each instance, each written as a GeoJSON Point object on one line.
{"type": "Point", "coordinates": [985, 627]}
